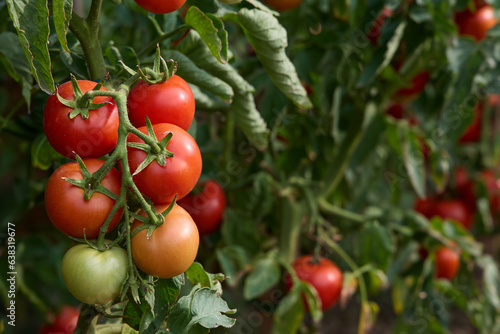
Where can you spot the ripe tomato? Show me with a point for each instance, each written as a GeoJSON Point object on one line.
{"type": "Point", "coordinates": [447, 263]}
{"type": "Point", "coordinates": [178, 176]}
{"type": "Point", "coordinates": [455, 210]}
{"type": "Point", "coordinates": [94, 277]}
{"type": "Point", "coordinates": [70, 212]}
{"type": "Point", "coordinates": [89, 138]}
{"type": "Point", "coordinates": [65, 322]}
{"type": "Point", "coordinates": [207, 207]}
{"type": "Point", "coordinates": [171, 248]}
{"type": "Point", "coordinates": [477, 23]}
{"type": "Point", "coordinates": [417, 85]}
{"type": "Point", "coordinates": [160, 6]}
{"type": "Point", "coordinates": [169, 102]}
{"type": "Point", "coordinates": [465, 187]}
{"type": "Point", "coordinates": [283, 5]}
{"type": "Point", "coordinates": [324, 276]}
{"type": "Point", "coordinates": [472, 133]}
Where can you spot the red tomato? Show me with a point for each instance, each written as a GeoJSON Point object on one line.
{"type": "Point", "coordinates": [70, 212]}
{"type": "Point", "coordinates": [472, 133]}
{"type": "Point", "coordinates": [169, 102]}
{"type": "Point", "coordinates": [178, 176]}
{"type": "Point", "coordinates": [465, 187]}
{"type": "Point", "coordinates": [206, 208]}
{"type": "Point", "coordinates": [324, 276]}
{"type": "Point", "coordinates": [283, 5]}
{"type": "Point", "coordinates": [455, 210]}
{"type": "Point", "coordinates": [417, 85]}
{"type": "Point", "coordinates": [425, 206]}
{"type": "Point", "coordinates": [89, 138]}
{"type": "Point", "coordinates": [171, 248]}
{"type": "Point", "coordinates": [378, 23]}
{"type": "Point", "coordinates": [65, 322]}
{"type": "Point", "coordinates": [477, 23]}
{"type": "Point", "coordinates": [160, 6]}
{"type": "Point", "coordinates": [447, 263]}
{"type": "Point", "coordinates": [67, 319]}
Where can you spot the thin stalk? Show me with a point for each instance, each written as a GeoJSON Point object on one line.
{"type": "Point", "coordinates": [152, 45]}
{"type": "Point", "coordinates": [291, 214]}
{"type": "Point", "coordinates": [331, 209]}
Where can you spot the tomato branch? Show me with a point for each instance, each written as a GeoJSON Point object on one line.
{"type": "Point", "coordinates": [87, 32]}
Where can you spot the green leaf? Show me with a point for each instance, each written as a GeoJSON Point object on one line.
{"type": "Point", "coordinates": [269, 40]}
{"type": "Point", "coordinates": [289, 313]}
{"type": "Point", "coordinates": [313, 300]}
{"type": "Point", "coordinates": [31, 20]}
{"type": "Point", "coordinates": [491, 280]}
{"type": "Point", "coordinates": [62, 11]}
{"type": "Point", "coordinates": [382, 56]}
{"type": "Point", "coordinates": [231, 259]}
{"type": "Point", "coordinates": [240, 230]}
{"type": "Point", "coordinates": [211, 30]}
{"type": "Point", "coordinates": [188, 70]}
{"type": "Point", "coordinates": [14, 60]}
{"type": "Point", "coordinates": [245, 112]}
{"type": "Point", "coordinates": [196, 274]}
{"type": "Point", "coordinates": [202, 307]}
{"type": "Point", "coordinates": [42, 154]}
{"type": "Point", "coordinates": [413, 159]}
{"type": "Point", "coordinates": [376, 245]}
{"type": "Point", "coordinates": [263, 277]}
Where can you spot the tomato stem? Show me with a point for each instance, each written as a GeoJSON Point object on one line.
{"type": "Point", "coordinates": [87, 32]}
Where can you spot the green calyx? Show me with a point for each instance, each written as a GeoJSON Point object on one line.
{"type": "Point", "coordinates": [90, 182]}
{"type": "Point", "coordinates": [160, 72]}
{"type": "Point", "coordinates": [82, 103]}
{"type": "Point", "coordinates": [156, 150]}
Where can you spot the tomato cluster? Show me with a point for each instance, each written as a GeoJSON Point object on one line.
{"type": "Point", "coordinates": [86, 199]}
{"type": "Point", "coordinates": [64, 323]}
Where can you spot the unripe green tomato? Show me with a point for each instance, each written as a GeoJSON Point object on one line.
{"type": "Point", "coordinates": [94, 277]}
{"type": "Point", "coordinates": [230, 1]}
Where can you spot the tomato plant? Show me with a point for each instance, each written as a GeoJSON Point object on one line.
{"type": "Point", "coordinates": [159, 6]}
{"type": "Point", "coordinates": [206, 207]}
{"type": "Point", "coordinates": [182, 170]}
{"type": "Point", "coordinates": [89, 136]}
{"type": "Point", "coordinates": [452, 209]}
{"type": "Point", "coordinates": [172, 246]}
{"type": "Point", "coordinates": [169, 102]}
{"type": "Point", "coordinates": [324, 275]}
{"type": "Point", "coordinates": [93, 276]}
{"type": "Point", "coordinates": [67, 208]}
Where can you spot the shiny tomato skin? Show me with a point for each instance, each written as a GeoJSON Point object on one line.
{"type": "Point", "coordinates": [178, 176]}
{"type": "Point", "coordinates": [160, 6]}
{"type": "Point", "coordinates": [324, 276]}
{"type": "Point", "coordinates": [94, 277]}
{"type": "Point", "coordinates": [476, 24]}
{"type": "Point", "coordinates": [169, 102]}
{"type": "Point", "coordinates": [70, 212]}
{"type": "Point", "coordinates": [283, 5]}
{"type": "Point", "coordinates": [89, 138]}
{"type": "Point", "coordinates": [66, 320]}
{"type": "Point", "coordinates": [455, 210]}
{"type": "Point", "coordinates": [472, 133]}
{"type": "Point", "coordinates": [447, 263]}
{"type": "Point", "coordinates": [206, 208]}
{"type": "Point", "coordinates": [171, 248]}
{"type": "Point", "coordinates": [425, 206]}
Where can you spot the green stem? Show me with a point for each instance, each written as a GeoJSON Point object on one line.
{"type": "Point", "coordinates": [331, 209]}
{"type": "Point", "coordinates": [152, 45]}
{"type": "Point", "coordinates": [87, 32]}
{"type": "Point", "coordinates": [349, 144]}
{"type": "Point", "coordinates": [228, 137]}
{"type": "Point", "coordinates": [291, 214]}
